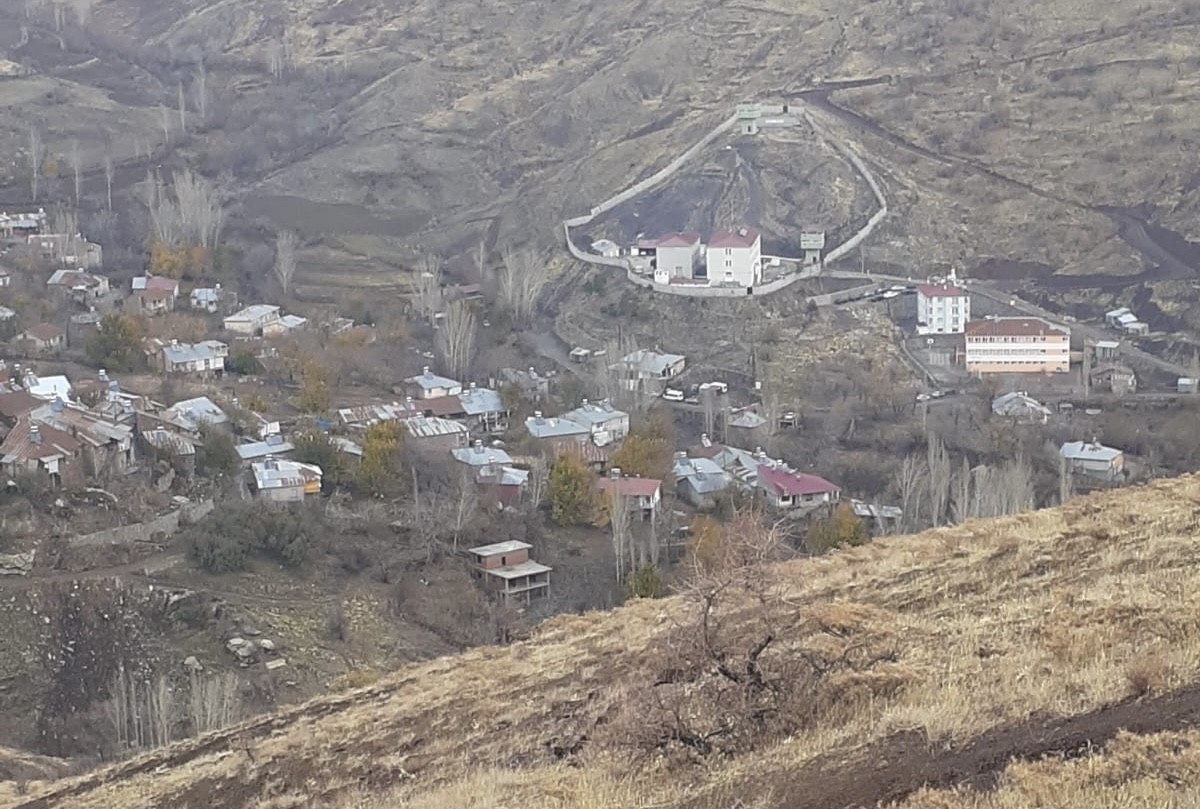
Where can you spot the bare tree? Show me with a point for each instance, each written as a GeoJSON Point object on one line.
{"type": "Point", "coordinates": [909, 480]}
{"type": "Point", "coordinates": [213, 701]}
{"type": "Point", "coordinates": [274, 55]}
{"type": "Point", "coordinates": [164, 214]}
{"type": "Point", "coordinates": [182, 104]}
{"type": "Point", "coordinates": [200, 211]}
{"type": "Point", "coordinates": [200, 90]}
{"type": "Point", "coordinates": [83, 11]}
{"type": "Point", "coordinates": [538, 481]}
{"type": "Point", "coordinates": [108, 177]}
{"type": "Point", "coordinates": [1066, 481]}
{"type": "Point", "coordinates": [36, 151]}
{"type": "Point", "coordinates": [285, 259]}
{"type": "Point", "coordinates": [708, 398]}
{"type": "Point", "coordinates": [455, 340]}
{"type": "Point", "coordinates": [961, 501]}
{"type": "Point", "coordinates": [427, 287]}
{"type": "Point", "coordinates": [523, 275]}
{"type": "Point", "coordinates": [75, 167]}
{"type": "Point", "coordinates": [164, 120]}
{"type": "Point", "coordinates": [619, 525]}
{"type": "Point", "coordinates": [466, 504]}
{"type": "Point", "coordinates": [938, 475]}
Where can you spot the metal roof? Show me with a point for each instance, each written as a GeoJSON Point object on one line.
{"type": "Point", "coordinates": [171, 442]}
{"type": "Point", "coordinates": [428, 380]}
{"type": "Point", "coordinates": [742, 238]}
{"type": "Point", "coordinates": [433, 426]}
{"type": "Point", "coordinates": [182, 353]}
{"type": "Point", "coordinates": [254, 313]}
{"type": "Point", "coordinates": [595, 414]}
{"type": "Point", "coordinates": [702, 474]}
{"type": "Point", "coordinates": [273, 445]}
{"type": "Point", "coordinates": [1089, 451]}
{"type": "Point", "coordinates": [651, 362]}
{"type": "Point", "coordinates": [200, 410]}
{"type": "Point", "coordinates": [480, 455]}
{"type": "Point", "coordinates": [480, 401]}
{"type": "Point", "coordinates": [541, 427]}
{"type": "Point", "coordinates": [274, 474]}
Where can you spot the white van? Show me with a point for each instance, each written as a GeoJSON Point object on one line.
{"type": "Point", "coordinates": [673, 395]}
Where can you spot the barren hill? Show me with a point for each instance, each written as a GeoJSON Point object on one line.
{"type": "Point", "coordinates": [933, 660]}
{"type": "Point", "coordinates": [1045, 142]}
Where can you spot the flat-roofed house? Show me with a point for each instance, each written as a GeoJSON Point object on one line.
{"type": "Point", "coordinates": [506, 569]}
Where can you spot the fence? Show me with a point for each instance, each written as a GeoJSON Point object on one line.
{"type": "Point", "coordinates": [144, 531]}
{"type": "Point", "coordinates": [727, 292]}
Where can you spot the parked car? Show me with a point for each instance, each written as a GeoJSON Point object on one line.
{"type": "Point", "coordinates": [673, 395]}
{"type": "Point", "coordinates": [716, 387]}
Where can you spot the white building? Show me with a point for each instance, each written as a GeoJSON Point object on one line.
{"type": "Point", "coordinates": [279, 481]}
{"type": "Point", "coordinates": [734, 258]}
{"type": "Point", "coordinates": [1006, 345]}
{"type": "Point", "coordinates": [942, 308]}
{"type": "Point", "coordinates": [253, 319]}
{"type": "Point", "coordinates": [605, 422]}
{"type": "Point", "coordinates": [678, 256]}
{"type": "Point", "coordinates": [206, 357]}
{"type": "Point", "coordinates": [428, 385]}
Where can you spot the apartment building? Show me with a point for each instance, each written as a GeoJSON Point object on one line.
{"type": "Point", "coordinates": [1007, 345]}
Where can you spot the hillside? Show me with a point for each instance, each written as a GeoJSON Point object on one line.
{"type": "Point", "coordinates": [1032, 142]}
{"type": "Point", "coordinates": [964, 647]}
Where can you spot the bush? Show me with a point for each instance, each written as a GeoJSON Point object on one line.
{"type": "Point", "coordinates": [223, 541]}
{"type": "Point", "coordinates": [216, 454]}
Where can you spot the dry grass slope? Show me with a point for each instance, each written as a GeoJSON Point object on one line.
{"type": "Point", "coordinates": [1049, 614]}
{"type": "Point", "coordinates": [1161, 770]}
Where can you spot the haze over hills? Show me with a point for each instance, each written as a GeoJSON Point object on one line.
{"type": "Point", "coordinates": [441, 123]}
{"type": "Point", "coordinates": [944, 655]}
{"type": "Point", "coordinates": [1048, 146]}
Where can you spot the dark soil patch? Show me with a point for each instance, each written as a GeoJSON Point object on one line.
{"type": "Point", "coordinates": [895, 768]}
{"type": "Point", "coordinates": [1003, 269]}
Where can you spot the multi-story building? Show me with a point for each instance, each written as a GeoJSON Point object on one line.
{"type": "Point", "coordinates": [734, 258]}
{"type": "Point", "coordinates": [1006, 345]}
{"type": "Point", "coordinates": [942, 309]}
{"type": "Point", "coordinates": [678, 256]}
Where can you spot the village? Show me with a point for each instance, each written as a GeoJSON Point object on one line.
{"type": "Point", "coordinates": [216, 444]}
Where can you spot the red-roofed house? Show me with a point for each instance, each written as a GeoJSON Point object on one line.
{"type": "Point", "coordinates": [786, 488]}
{"type": "Point", "coordinates": [942, 309]}
{"type": "Point", "coordinates": [678, 257]}
{"type": "Point", "coordinates": [155, 294]}
{"type": "Point", "coordinates": [734, 257]}
{"type": "Point", "coordinates": [45, 337]}
{"type": "Point", "coordinates": [33, 447]}
{"type": "Point", "coordinates": [642, 495]}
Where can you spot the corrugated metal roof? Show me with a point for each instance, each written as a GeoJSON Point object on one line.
{"type": "Point", "coordinates": [284, 474]}
{"type": "Point", "coordinates": [254, 313]}
{"type": "Point", "coordinates": [651, 362]}
{"type": "Point", "coordinates": [480, 455]}
{"type": "Point", "coordinates": [432, 426]}
{"type": "Point", "coordinates": [428, 380]}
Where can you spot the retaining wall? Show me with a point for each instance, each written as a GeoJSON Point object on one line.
{"type": "Point", "coordinates": [144, 531]}
{"type": "Point", "coordinates": [723, 292]}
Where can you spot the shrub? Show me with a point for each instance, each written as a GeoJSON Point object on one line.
{"type": "Point", "coordinates": [223, 541]}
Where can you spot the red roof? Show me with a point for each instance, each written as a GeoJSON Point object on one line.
{"type": "Point", "coordinates": [45, 332]}
{"type": "Point", "coordinates": [679, 240]}
{"type": "Point", "coordinates": [1014, 327]}
{"type": "Point", "coordinates": [941, 291]}
{"type": "Point", "coordinates": [793, 483]}
{"type": "Point", "coordinates": [629, 487]}
{"type": "Point", "coordinates": [746, 237]}
{"type": "Point", "coordinates": [161, 282]}
{"type": "Point", "coordinates": [149, 294]}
